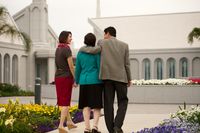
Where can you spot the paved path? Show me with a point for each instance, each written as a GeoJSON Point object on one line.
{"type": "Point", "coordinates": [138, 116]}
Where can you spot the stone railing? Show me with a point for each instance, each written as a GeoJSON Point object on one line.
{"type": "Point", "coordinates": [147, 93]}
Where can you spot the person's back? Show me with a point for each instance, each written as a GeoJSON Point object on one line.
{"type": "Point", "coordinates": [115, 73]}
{"type": "Point", "coordinates": [61, 55]}
{"type": "Point", "coordinates": [114, 60]}
{"type": "Point", "coordinates": [88, 67]}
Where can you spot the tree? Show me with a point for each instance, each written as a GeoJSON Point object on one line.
{"type": "Point", "coordinates": [7, 29]}
{"type": "Point", "coordinates": [195, 33]}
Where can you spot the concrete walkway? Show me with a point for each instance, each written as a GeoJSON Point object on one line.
{"type": "Point", "coordinates": [138, 116]}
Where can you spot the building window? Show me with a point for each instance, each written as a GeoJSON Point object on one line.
{"type": "Point", "coordinates": [37, 70]}
{"type": "Point", "coordinates": [171, 68]}
{"type": "Point", "coordinates": [158, 68]}
{"type": "Point", "coordinates": [6, 68]}
{"type": "Point", "coordinates": [195, 67]}
{"type": "Point", "coordinates": [184, 67]}
{"type": "Point", "coordinates": [146, 69]}
{"type": "Point", "coordinates": [15, 70]}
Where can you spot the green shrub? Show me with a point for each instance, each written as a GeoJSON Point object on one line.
{"type": "Point", "coordinates": [13, 90]}
{"type": "Point", "coordinates": [25, 93]}
{"type": "Point", "coordinates": [18, 127]}
{"type": "Point", "coordinates": [22, 127]}
{"type": "Point", "coordinates": [4, 87]}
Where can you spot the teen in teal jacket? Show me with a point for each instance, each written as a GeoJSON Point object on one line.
{"type": "Point", "coordinates": [87, 69]}
{"type": "Point", "coordinates": [91, 88]}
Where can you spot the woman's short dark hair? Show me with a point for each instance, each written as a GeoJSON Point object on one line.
{"type": "Point", "coordinates": [64, 36]}
{"type": "Point", "coordinates": [90, 39]}
{"type": "Point", "coordinates": [111, 30]}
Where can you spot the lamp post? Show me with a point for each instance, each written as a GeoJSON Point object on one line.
{"type": "Point", "coordinates": [37, 90]}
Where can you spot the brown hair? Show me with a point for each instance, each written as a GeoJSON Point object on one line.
{"type": "Point", "coordinates": [64, 36]}
{"type": "Point", "coordinates": [90, 39]}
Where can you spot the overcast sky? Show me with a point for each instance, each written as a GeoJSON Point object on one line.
{"type": "Point", "coordinates": [73, 14]}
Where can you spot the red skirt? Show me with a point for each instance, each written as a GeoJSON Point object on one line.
{"type": "Point", "coordinates": [64, 90]}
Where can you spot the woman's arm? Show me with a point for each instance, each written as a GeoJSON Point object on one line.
{"type": "Point", "coordinates": [71, 65]}
{"type": "Point", "coordinates": [77, 69]}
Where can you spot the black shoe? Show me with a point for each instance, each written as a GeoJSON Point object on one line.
{"type": "Point", "coordinates": [95, 131]}
{"type": "Point", "coordinates": [87, 132]}
{"type": "Point", "coordinates": [117, 130]}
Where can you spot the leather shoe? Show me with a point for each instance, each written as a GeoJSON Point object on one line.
{"type": "Point", "coordinates": [117, 130]}
{"type": "Point", "coordinates": [87, 132]}
{"type": "Point", "coordinates": [95, 131]}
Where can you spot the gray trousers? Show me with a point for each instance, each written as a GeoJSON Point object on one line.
{"type": "Point", "coordinates": [109, 95]}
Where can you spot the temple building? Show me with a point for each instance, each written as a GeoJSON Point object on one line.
{"type": "Point", "coordinates": [158, 45]}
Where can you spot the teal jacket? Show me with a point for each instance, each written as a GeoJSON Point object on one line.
{"type": "Point", "coordinates": [87, 68]}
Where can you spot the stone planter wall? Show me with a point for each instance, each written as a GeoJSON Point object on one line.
{"type": "Point", "coordinates": [147, 93]}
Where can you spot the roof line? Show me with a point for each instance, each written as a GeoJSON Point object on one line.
{"type": "Point", "coordinates": [141, 15]}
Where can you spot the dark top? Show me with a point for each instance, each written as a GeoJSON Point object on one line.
{"type": "Point", "coordinates": [62, 67]}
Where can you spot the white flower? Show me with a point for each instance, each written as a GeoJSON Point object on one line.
{"type": "Point", "coordinates": [162, 82]}
{"type": "Point", "coordinates": [196, 118]}
{"type": "Point", "coordinates": [2, 110]}
{"type": "Point", "coordinates": [9, 121]}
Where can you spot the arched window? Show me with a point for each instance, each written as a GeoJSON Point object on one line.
{"type": "Point", "coordinates": [184, 67]}
{"type": "Point", "coordinates": [158, 68]}
{"type": "Point", "coordinates": [171, 68]}
{"type": "Point", "coordinates": [146, 69]}
{"type": "Point", "coordinates": [35, 13]}
{"type": "Point", "coordinates": [15, 70]}
{"type": "Point", "coordinates": [6, 68]}
{"type": "Point", "coordinates": [0, 69]}
{"type": "Point", "coordinates": [196, 67]}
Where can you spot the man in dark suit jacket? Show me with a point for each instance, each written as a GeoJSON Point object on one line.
{"type": "Point", "coordinates": [116, 75]}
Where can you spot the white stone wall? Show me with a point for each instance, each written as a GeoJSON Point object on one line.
{"type": "Point", "coordinates": [192, 54]}
{"type": "Point", "coordinates": [168, 94]}
{"type": "Point", "coordinates": [23, 81]}
{"type": "Point", "coordinates": [13, 47]}
{"type": "Point", "coordinates": [14, 50]}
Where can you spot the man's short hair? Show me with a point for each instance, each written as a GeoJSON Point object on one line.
{"type": "Point", "coordinates": [111, 30]}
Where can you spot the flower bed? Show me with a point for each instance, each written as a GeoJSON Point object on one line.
{"type": "Point", "coordinates": [29, 118]}
{"type": "Point", "coordinates": [165, 82]}
{"type": "Point", "coordinates": [183, 121]}
{"type": "Point", "coordinates": [195, 80]}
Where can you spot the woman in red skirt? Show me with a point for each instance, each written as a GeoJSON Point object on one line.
{"type": "Point", "coordinates": [64, 78]}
